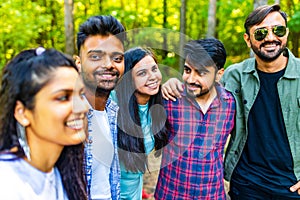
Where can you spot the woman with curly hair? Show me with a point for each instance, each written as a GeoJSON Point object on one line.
{"type": "Point", "coordinates": [42, 127]}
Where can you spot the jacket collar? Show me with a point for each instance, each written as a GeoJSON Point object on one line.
{"type": "Point", "coordinates": [292, 70]}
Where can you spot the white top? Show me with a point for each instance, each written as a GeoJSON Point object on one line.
{"type": "Point", "coordinates": [102, 141]}
{"type": "Point", "coordinates": [21, 181]}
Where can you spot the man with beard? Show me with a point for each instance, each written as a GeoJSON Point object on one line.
{"type": "Point", "coordinates": [100, 43]}
{"type": "Point", "coordinates": [262, 160]}
{"type": "Point", "coordinates": [198, 126]}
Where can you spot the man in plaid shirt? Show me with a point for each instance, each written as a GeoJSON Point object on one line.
{"type": "Point", "coordinates": [198, 124]}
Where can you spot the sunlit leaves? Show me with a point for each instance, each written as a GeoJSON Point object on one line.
{"type": "Point", "coordinates": [28, 24]}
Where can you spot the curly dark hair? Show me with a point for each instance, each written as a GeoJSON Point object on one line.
{"type": "Point", "coordinates": [22, 78]}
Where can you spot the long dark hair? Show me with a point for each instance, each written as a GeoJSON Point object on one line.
{"type": "Point", "coordinates": [130, 135]}
{"type": "Point", "coordinates": [22, 79]}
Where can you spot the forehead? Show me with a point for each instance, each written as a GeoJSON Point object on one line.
{"type": "Point", "coordinates": [107, 43]}
{"type": "Point", "coordinates": [272, 19]}
{"type": "Point", "coordinates": [64, 78]}
{"type": "Point", "coordinates": [147, 61]}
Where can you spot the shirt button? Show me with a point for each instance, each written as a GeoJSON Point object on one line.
{"type": "Point", "coordinates": [245, 101]}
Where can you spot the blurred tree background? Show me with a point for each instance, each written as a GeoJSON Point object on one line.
{"type": "Point", "coordinates": [164, 25]}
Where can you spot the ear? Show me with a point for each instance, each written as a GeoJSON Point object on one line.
{"type": "Point", "coordinates": [78, 63]}
{"type": "Point", "coordinates": [247, 39]}
{"type": "Point", "coordinates": [219, 74]}
{"type": "Point", "coordinates": [20, 114]}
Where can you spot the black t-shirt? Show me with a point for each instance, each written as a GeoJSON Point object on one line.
{"type": "Point", "coordinates": [266, 162]}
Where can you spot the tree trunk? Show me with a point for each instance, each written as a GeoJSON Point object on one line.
{"type": "Point", "coordinates": [295, 41]}
{"type": "Point", "coordinates": [53, 20]}
{"type": "Point", "coordinates": [69, 27]}
{"type": "Point", "coordinates": [165, 42]}
{"type": "Point", "coordinates": [100, 6]}
{"type": "Point", "coordinates": [258, 3]}
{"type": "Point", "coordinates": [211, 28]}
{"type": "Point", "coordinates": [182, 33]}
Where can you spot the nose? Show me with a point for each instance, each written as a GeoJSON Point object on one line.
{"type": "Point", "coordinates": [191, 78]}
{"type": "Point", "coordinates": [106, 62]}
{"type": "Point", "coordinates": [270, 36]}
{"type": "Point", "coordinates": [152, 75]}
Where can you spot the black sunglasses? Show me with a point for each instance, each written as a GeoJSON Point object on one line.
{"type": "Point", "coordinates": [261, 33]}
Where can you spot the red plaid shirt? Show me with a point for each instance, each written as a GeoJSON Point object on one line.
{"type": "Point", "coordinates": [192, 162]}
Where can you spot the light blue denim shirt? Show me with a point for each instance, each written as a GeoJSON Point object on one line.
{"type": "Point", "coordinates": [111, 109]}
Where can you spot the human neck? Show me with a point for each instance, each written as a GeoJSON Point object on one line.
{"type": "Point", "coordinates": [98, 102]}
{"type": "Point", "coordinates": [43, 156]}
{"type": "Point", "coordinates": [141, 99]}
{"type": "Point", "coordinates": [205, 101]}
{"type": "Point", "coordinates": [271, 67]}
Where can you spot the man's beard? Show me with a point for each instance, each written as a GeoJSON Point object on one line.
{"type": "Point", "coordinates": [102, 91]}
{"type": "Point", "coordinates": [96, 88]}
{"type": "Point", "coordinates": [265, 56]}
{"type": "Point", "coordinates": [195, 95]}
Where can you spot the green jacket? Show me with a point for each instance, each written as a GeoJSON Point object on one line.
{"type": "Point", "coordinates": [243, 82]}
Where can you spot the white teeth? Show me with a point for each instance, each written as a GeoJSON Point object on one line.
{"type": "Point", "coordinates": [107, 75]}
{"type": "Point", "coordinates": [75, 124]}
{"type": "Point", "coordinates": [152, 85]}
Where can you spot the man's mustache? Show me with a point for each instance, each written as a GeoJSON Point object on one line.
{"type": "Point", "coordinates": [270, 43]}
{"type": "Point", "coordinates": [195, 85]}
{"type": "Point", "coordinates": [106, 72]}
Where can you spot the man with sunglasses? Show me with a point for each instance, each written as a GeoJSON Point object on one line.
{"type": "Point", "coordinates": [263, 156]}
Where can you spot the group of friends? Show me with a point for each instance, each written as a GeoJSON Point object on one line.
{"type": "Point", "coordinates": [83, 128]}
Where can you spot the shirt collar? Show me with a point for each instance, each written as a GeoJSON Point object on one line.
{"type": "Point", "coordinates": [222, 95]}
{"type": "Point", "coordinates": [291, 71]}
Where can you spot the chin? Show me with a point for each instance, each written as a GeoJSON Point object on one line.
{"type": "Point", "coordinates": [78, 137]}
{"type": "Point", "coordinates": [153, 93]}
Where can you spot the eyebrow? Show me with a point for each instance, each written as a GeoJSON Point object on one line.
{"type": "Point", "coordinates": [186, 66]}
{"type": "Point", "coordinates": [95, 51]}
{"type": "Point", "coordinates": [63, 90]}
{"type": "Point", "coordinates": [203, 69]}
{"type": "Point", "coordinates": [269, 26]}
{"type": "Point", "coordinates": [117, 53]}
{"type": "Point", "coordinates": [104, 52]}
{"type": "Point", "coordinates": [146, 65]}
{"type": "Point", "coordinates": [67, 90]}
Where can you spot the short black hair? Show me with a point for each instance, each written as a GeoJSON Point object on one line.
{"type": "Point", "coordinates": [101, 25]}
{"type": "Point", "coordinates": [205, 52]}
{"type": "Point", "coordinates": [260, 13]}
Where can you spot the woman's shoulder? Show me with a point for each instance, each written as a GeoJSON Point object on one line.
{"type": "Point", "coordinates": [10, 181]}
{"type": "Point", "coordinates": [8, 166]}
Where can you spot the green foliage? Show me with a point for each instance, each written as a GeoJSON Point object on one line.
{"type": "Point", "coordinates": [31, 23]}
{"type": "Point", "coordinates": [294, 22]}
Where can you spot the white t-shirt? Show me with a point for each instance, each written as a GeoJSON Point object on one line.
{"type": "Point", "coordinates": [102, 141]}
{"type": "Point", "coordinates": [21, 181]}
